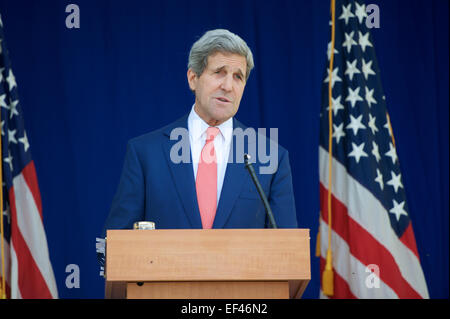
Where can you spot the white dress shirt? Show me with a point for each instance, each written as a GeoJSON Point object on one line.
{"type": "Point", "coordinates": [197, 137]}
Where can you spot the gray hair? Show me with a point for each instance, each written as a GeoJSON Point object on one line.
{"type": "Point", "coordinates": [219, 40]}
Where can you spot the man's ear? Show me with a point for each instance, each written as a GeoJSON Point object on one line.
{"type": "Point", "coordinates": [192, 79]}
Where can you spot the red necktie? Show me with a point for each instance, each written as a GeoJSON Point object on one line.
{"type": "Point", "coordinates": [206, 182]}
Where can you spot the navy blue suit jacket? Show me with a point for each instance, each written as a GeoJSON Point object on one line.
{"type": "Point", "coordinates": [154, 188]}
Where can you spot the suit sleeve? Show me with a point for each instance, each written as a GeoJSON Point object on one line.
{"type": "Point", "coordinates": [129, 201]}
{"type": "Point", "coordinates": [281, 198]}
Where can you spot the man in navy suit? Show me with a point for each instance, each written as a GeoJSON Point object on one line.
{"type": "Point", "coordinates": [207, 186]}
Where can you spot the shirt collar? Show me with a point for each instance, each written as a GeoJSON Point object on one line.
{"type": "Point", "coordinates": [197, 127]}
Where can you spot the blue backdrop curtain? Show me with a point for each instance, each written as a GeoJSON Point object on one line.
{"type": "Point", "coordinates": [85, 92]}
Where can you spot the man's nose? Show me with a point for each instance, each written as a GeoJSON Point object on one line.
{"type": "Point", "coordinates": [227, 83]}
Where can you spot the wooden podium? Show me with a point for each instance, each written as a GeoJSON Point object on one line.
{"type": "Point", "coordinates": [207, 264]}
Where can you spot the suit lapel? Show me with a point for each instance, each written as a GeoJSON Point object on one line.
{"type": "Point", "coordinates": [234, 181]}
{"type": "Point", "coordinates": [183, 175]}
{"type": "Point", "coordinates": [232, 186]}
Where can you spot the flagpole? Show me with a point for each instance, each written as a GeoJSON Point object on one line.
{"type": "Point", "coordinates": [3, 284]}
{"type": "Point", "coordinates": [390, 128]}
{"type": "Point", "coordinates": [327, 275]}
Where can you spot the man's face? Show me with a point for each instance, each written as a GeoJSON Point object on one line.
{"type": "Point", "coordinates": [218, 91]}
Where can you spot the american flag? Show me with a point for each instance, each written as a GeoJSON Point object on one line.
{"type": "Point", "coordinates": [26, 271]}
{"type": "Point", "coordinates": [373, 249]}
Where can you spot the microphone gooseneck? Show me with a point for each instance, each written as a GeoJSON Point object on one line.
{"type": "Point", "coordinates": [251, 170]}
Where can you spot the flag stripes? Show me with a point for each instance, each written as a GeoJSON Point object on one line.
{"type": "Point", "coordinates": [31, 243]}
{"type": "Point", "coordinates": [350, 274]}
{"type": "Point", "coordinates": [368, 234]}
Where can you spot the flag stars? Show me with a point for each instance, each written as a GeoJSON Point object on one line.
{"type": "Point", "coordinates": [379, 179]}
{"type": "Point", "coordinates": [9, 160]}
{"type": "Point", "coordinates": [13, 108]}
{"type": "Point", "coordinates": [11, 136]}
{"type": "Point", "coordinates": [3, 102]}
{"type": "Point", "coordinates": [334, 77]}
{"type": "Point", "coordinates": [338, 132]}
{"type": "Point", "coordinates": [353, 96]}
{"type": "Point", "coordinates": [336, 105]}
{"type": "Point", "coordinates": [349, 42]}
{"type": "Point", "coordinates": [367, 69]}
{"type": "Point", "coordinates": [351, 69]}
{"type": "Point", "coordinates": [357, 152]}
{"type": "Point", "coordinates": [24, 141]}
{"type": "Point", "coordinates": [395, 181]}
{"type": "Point", "coordinates": [369, 97]}
{"type": "Point", "coordinates": [11, 80]}
{"type": "Point", "coordinates": [346, 13]}
{"type": "Point", "coordinates": [355, 124]}
{"type": "Point", "coordinates": [329, 51]}
{"type": "Point", "coordinates": [375, 151]}
{"type": "Point", "coordinates": [398, 209]}
{"type": "Point", "coordinates": [387, 125]}
{"type": "Point", "coordinates": [364, 41]}
{"type": "Point", "coordinates": [372, 125]}
{"type": "Point", "coordinates": [7, 213]}
{"type": "Point", "coordinates": [360, 12]}
{"type": "Point", "coordinates": [392, 153]}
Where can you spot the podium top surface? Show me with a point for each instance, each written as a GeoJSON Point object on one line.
{"type": "Point", "coordinates": [208, 255]}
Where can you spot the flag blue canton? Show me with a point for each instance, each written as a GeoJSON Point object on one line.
{"type": "Point", "coordinates": [15, 147]}
{"type": "Point", "coordinates": [362, 137]}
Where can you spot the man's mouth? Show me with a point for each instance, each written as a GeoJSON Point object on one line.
{"type": "Point", "coordinates": [223, 99]}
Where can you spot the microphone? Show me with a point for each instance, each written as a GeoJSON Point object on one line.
{"type": "Point", "coordinates": [251, 170]}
